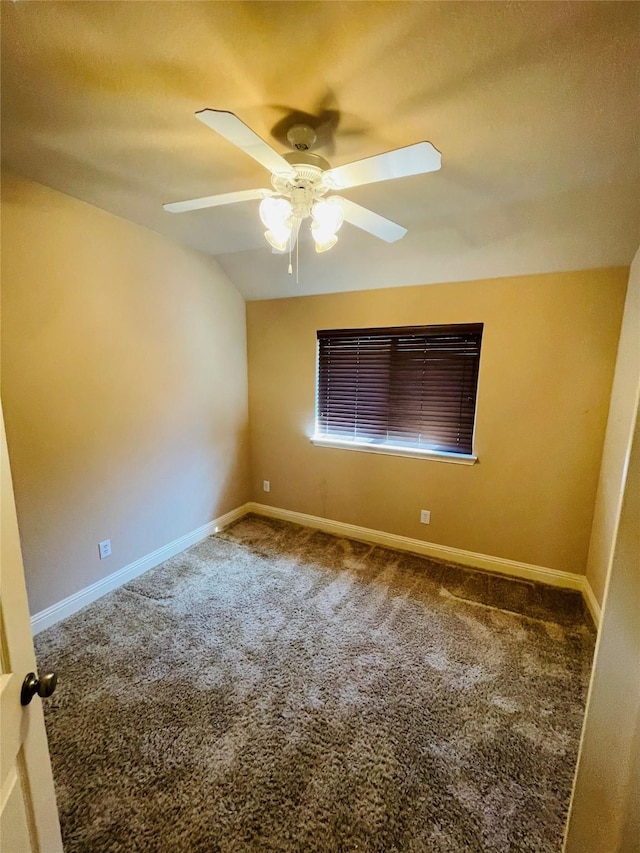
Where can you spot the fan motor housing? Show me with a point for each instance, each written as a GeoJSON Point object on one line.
{"type": "Point", "coordinates": [307, 185]}
{"type": "Point", "coordinates": [306, 158]}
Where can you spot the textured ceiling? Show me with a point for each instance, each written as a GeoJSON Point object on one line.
{"type": "Point", "coordinates": [534, 106]}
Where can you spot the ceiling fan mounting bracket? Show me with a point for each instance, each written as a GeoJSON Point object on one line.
{"type": "Point", "coordinates": [301, 137]}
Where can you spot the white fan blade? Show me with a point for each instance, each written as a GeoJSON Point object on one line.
{"type": "Point", "coordinates": [236, 131]}
{"type": "Point", "coordinates": [215, 200]}
{"type": "Point", "coordinates": [294, 239]}
{"type": "Point", "coordinates": [411, 160]}
{"type": "Point", "coordinates": [372, 222]}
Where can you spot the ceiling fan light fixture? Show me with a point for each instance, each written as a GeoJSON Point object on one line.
{"type": "Point", "coordinates": [275, 213]}
{"type": "Point", "coordinates": [328, 215]}
{"type": "Point", "coordinates": [301, 179]}
{"type": "Point", "coordinates": [278, 238]}
{"type": "Point", "coordinates": [324, 240]}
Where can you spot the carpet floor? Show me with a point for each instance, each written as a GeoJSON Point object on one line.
{"type": "Point", "coordinates": [275, 688]}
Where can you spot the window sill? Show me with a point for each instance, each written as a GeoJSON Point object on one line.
{"type": "Point", "coordinates": [391, 450]}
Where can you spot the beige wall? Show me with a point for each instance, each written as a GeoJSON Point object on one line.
{"type": "Point", "coordinates": [124, 387]}
{"type": "Point", "coordinates": [624, 398]}
{"type": "Point", "coordinates": [546, 368]}
{"type": "Point", "coordinates": [605, 811]}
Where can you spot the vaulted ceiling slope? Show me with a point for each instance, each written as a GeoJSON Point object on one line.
{"type": "Point", "coordinates": [534, 106]}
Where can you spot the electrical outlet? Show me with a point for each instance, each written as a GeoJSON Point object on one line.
{"type": "Point", "coordinates": [425, 516]}
{"type": "Point", "coordinates": [266, 486]}
{"type": "Point", "coordinates": [104, 548]}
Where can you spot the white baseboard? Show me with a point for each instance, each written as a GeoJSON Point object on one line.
{"type": "Point", "coordinates": [541, 574]}
{"type": "Point", "coordinates": [591, 601]}
{"type": "Point", "coordinates": [45, 618]}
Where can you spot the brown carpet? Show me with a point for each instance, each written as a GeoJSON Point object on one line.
{"type": "Point", "coordinates": [279, 689]}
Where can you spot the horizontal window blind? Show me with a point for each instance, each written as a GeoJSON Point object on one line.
{"type": "Point", "coordinates": [403, 386]}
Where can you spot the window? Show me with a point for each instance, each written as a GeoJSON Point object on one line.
{"type": "Point", "coordinates": [402, 389]}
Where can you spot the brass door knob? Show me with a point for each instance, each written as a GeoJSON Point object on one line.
{"type": "Point", "coordinates": [31, 685]}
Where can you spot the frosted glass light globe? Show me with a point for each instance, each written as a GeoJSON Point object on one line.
{"type": "Point", "coordinates": [275, 212]}
{"type": "Point", "coordinates": [278, 238]}
{"type": "Point", "coordinates": [323, 239]}
{"type": "Point", "coordinates": [328, 215]}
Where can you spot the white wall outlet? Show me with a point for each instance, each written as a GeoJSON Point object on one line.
{"type": "Point", "coordinates": [425, 516]}
{"type": "Point", "coordinates": [104, 548]}
{"type": "Point", "coordinates": [266, 486]}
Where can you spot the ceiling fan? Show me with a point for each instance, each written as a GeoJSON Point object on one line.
{"type": "Point", "coordinates": [301, 182]}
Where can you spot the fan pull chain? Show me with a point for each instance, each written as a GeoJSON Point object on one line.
{"type": "Point", "coordinates": [297, 258]}
{"type": "Point", "coordinates": [290, 268]}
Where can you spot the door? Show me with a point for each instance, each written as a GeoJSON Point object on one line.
{"type": "Point", "coordinates": [28, 814]}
